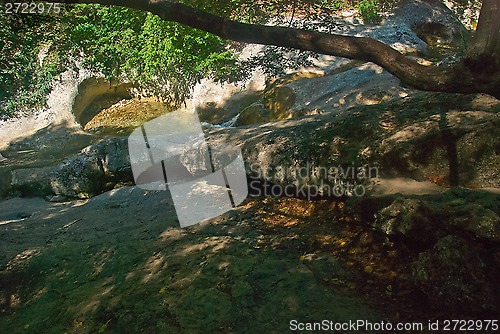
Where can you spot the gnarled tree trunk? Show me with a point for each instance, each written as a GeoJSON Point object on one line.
{"type": "Point", "coordinates": [483, 54]}
{"type": "Point", "coordinates": [479, 73]}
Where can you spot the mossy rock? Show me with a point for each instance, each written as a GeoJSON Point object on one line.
{"type": "Point", "coordinates": [455, 275]}
{"type": "Point", "coordinates": [279, 100]}
{"type": "Point", "coordinates": [254, 114]}
{"type": "Point", "coordinates": [276, 105]}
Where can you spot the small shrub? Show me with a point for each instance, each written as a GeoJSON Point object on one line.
{"type": "Point", "coordinates": [369, 11]}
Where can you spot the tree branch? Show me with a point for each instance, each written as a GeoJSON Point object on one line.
{"type": "Point", "coordinates": [458, 79]}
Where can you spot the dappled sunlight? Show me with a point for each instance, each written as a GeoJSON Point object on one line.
{"type": "Point", "coordinates": [50, 216]}
{"type": "Point", "coordinates": [14, 301]}
{"type": "Point", "coordinates": [4, 222]}
{"type": "Point", "coordinates": [96, 295]}
{"type": "Point", "coordinates": [21, 260]}
{"type": "Point", "coordinates": [153, 267]}
{"type": "Point", "coordinates": [272, 254]}
{"type": "Point", "coordinates": [45, 146]}
{"type": "Point", "coordinates": [371, 67]}
{"type": "Point", "coordinates": [78, 203]}
{"type": "Point", "coordinates": [101, 258]}
{"type": "Point", "coordinates": [185, 281]}
{"type": "Point", "coordinates": [406, 186]}
{"type": "Point", "coordinates": [173, 234]}
{"type": "Point", "coordinates": [208, 246]}
{"type": "Point", "coordinates": [411, 132]}
{"type": "Point", "coordinates": [94, 253]}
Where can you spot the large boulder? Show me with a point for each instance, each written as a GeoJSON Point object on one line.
{"type": "Point", "coordinates": [430, 20]}
{"type": "Point", "coordinates": [418, 138]}
{"type": "Point", "coordinates": [275, 104]}
{"type": "Point", "coordinates": [331, 84]}
{"type": "Point", "coordinates": [31, 181]}
{"type": "Point", "coordinates": [424, 219]}
{"type": "Point", "coordinates": [458, 275]}
{"type": "Point", "coordinates": [254, 114]}
{"type": "Point", "coordinates": [350, 86]}
{"type": "Point", "coordinates": [454, 236]}
{"type": "Point", "coordinates": [452, 148]}
{"type": "Point", "coordinates": [95, 169]}
{"type": "Point", "coordinates": [279, 100]}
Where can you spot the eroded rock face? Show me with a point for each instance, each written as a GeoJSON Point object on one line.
{"type": "Point", "coordinates": [254, 114]}
{"type": "Point", "coordinates": [415, 139]}
{"type": "Point", "coordinates": [94, 94]}
{"type": "Point", "coordinates": [431, 19]}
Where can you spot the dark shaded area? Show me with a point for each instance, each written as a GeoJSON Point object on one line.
{"type": "Point", "coordinates": [450, 140]}
{"type": "Point", "coordinates": [130, 268]}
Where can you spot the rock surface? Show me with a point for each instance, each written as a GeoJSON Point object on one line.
{"type": "Point", "coordinates": [97, 168]}
{"type": "Point", "coordinates": [456, 235]}
{"type": "Point", "coordinates": [457, 274]}
{"type": "Point", "coordinates": [236, 273]}
{"type": "Point", "coordinates": [424, 219]}
{"type": "Point", "coordinates": [31, 181]}
{"type": "Point", "coordinates": [332, 84]}
{"type": "Point", "coordinates": [341, 115]}
{"type": "Point", "coordinates": [58, 112]}
{"type": "Point", "coordinates": [95, 94]}
{"type": "Point", "coordinates": [418, 138]}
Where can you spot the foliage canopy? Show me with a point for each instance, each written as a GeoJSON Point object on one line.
{"type": "Point", "coordinates": [164, 59]}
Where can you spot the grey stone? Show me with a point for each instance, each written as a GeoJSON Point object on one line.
{"type": "Point", "coordinates": [94, 170]}
{"type": "Point", "coordinates": [425, 219]}
{"type": "Point", "coordinates": [418, 144]}
{"type": "Point", "coordinates": [31, 181]}
{"type": "Point", "coordinates": [58, 198]}
{"type": "Point", "coordinates": [453, 274]}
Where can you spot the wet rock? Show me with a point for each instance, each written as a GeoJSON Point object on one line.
{"type": "Point", "coordinates": [364, 84]}
{"type": "Point", "coordinates": [278, 100]}
{"type": "Point", "coordinates": [254, 114]}
{"type": "Point", "coordinates": [456, 275]}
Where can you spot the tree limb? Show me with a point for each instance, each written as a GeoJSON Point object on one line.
{"type": "Point", "coordinates": [457, 79]}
